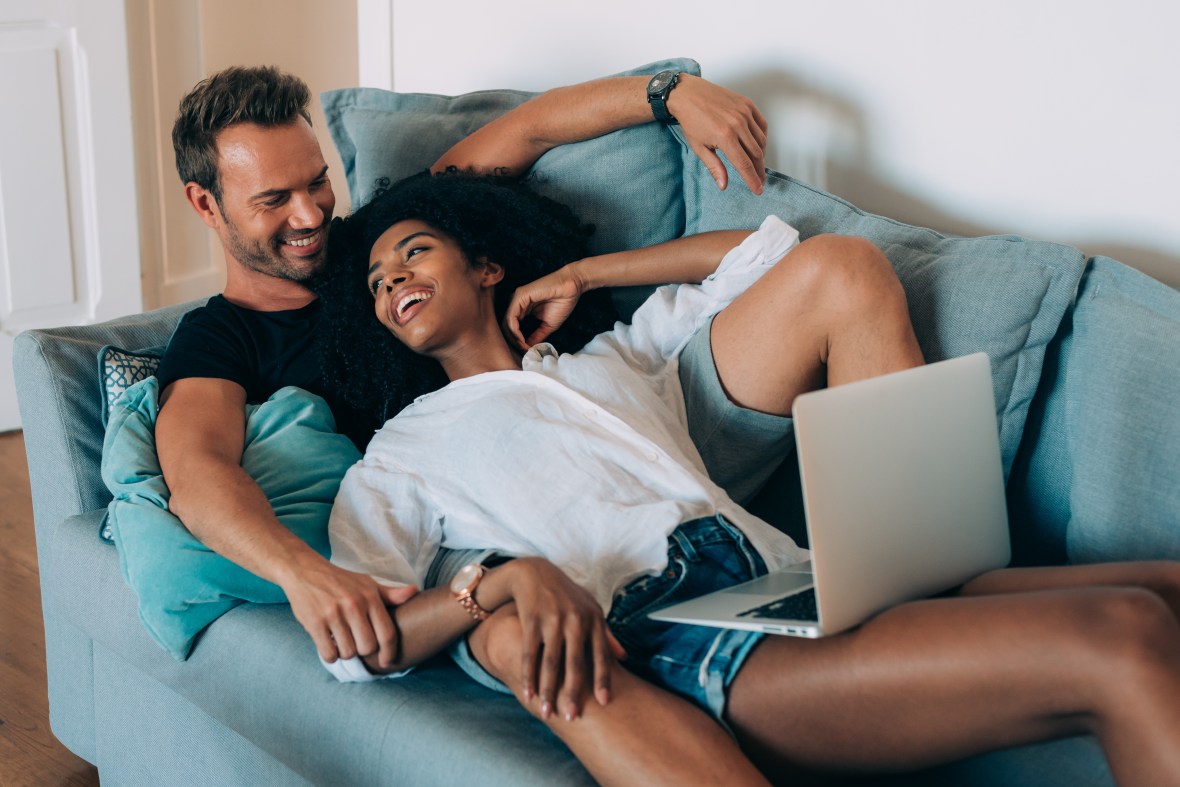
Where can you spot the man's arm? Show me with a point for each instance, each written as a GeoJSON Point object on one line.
{"type": "Point", "coordinates": [713, 118]}
{"type": "Point", "coordinates": [200, 434]}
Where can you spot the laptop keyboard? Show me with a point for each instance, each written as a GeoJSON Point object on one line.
{"type": "Point", "coordinates": [800, 606]}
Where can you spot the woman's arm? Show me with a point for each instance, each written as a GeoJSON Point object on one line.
{"type": "Point", "coordinates": [562, 623]}
{"type": "Point", "coordinates": [551, 299]}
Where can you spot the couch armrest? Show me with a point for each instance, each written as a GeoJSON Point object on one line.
{"type": "Point", "coordinates": [60, 398]}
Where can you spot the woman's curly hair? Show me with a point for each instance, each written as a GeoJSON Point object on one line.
{"type": "Point", "coordinates": [488, 216]}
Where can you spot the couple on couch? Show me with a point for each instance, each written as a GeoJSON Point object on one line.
{"type": "Point", "coordinates": [1046, 653]}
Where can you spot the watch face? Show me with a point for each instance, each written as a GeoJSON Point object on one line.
{"type": "Point", "coordinates": [659, 82]}
{"type": "Point", "coordinates": [464, 577]}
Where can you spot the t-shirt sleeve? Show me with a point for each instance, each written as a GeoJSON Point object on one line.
{"type": "Point", "coordinates": [205, 345]}
{"type": "Point", "coordinates": [666, 321]}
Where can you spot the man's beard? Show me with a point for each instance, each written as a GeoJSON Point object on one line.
{"type": "Point", "coordinates": [269, 259]}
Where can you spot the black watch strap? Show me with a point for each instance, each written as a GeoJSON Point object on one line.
{"type": "Point", "coordinates": [658, 88]}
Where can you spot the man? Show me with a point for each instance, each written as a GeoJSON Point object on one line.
{"type": "Point", "coordinates": [253, 171]}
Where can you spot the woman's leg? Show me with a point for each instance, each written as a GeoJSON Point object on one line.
{"type": "Point", "coordinates": [932, 681]}
{"type": "Point", "coordinates": [1161, 577]}
{"type": "Point", "coordinates": [644, 735]}
{"type": "Point", "coordinates": [831, 311]}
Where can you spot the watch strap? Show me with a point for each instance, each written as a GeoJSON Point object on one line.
{"type": "Point", "coordinates": [468, 602]}
{"type": "Point", "coordinates": [466, 597]}
{"type": "Point", "coordinates": [659, 102]}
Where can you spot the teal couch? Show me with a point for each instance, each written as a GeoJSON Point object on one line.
{"type": "Point", "coordinates": [1086, 375]}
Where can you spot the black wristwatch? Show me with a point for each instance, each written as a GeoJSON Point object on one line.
{"type": "Point", "coordinates": [658, 88]}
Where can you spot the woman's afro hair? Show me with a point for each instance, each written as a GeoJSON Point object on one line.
{"type": "Point", "coordinates": [489, 217]}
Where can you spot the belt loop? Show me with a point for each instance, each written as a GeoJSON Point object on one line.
{"type": "Point", "coordinates": [685, 544]}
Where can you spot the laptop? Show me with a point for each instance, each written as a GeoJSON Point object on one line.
{"type": "Point", "coordinates": [903, 493]}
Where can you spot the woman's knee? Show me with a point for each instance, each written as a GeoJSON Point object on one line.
{"type": "Point", "coordinates": [497, 644]}
{"type": "Point", "coordinates": [1135, 627]}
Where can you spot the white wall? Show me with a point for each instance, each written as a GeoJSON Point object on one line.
{"type": "Point", "coordinates": [1054, 119]}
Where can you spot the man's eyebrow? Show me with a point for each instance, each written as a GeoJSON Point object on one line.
{"type": "Point", "coordinates": [270, 193]}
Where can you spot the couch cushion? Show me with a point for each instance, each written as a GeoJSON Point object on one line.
{"type": "Point", "coordinates": [183, 585]}
{"type": "Point", "coordinates": [1101, 467]}
{"type": "Point", "coordinates": [626, 183]}
{"type": "Point", "coordinates": [1002, 295]}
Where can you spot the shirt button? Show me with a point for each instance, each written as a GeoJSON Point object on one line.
{"type": "Point", "coordinates": [652, 456]}
{"type": "Point", "coordinates": [591, 413]}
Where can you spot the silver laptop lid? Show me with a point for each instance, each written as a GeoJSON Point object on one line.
{"type": "Point", "coordinates": [902, 485]}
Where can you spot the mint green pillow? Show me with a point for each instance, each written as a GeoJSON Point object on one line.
{"type": "Point", "coordinates": [291, 450]}
{"type": "Point", "coordinates": [1002, 295]}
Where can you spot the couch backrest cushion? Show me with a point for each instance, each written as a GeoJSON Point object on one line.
{"type": "Point", "coordinates": [1101, 471]}
{"type": "Point", "coordinates": [182, 585]}
{"type": "Point", "coordinates": [1002, 295]}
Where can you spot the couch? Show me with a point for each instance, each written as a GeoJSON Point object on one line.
{"type": "Point", "coordinates": [1085, 378]}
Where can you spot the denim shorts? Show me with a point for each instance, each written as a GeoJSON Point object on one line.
{"type": "Point", "coordinates": [740, 447]}
{"type": "Point", "coordinates": [697, 663]}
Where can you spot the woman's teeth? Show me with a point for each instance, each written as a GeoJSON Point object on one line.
{"type": "Point", "coordinates": [409, 300]}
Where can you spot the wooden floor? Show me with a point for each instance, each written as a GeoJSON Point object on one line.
{"type": "Point", "coordinates": [29, 754]}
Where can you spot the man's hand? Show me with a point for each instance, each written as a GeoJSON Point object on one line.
{"type": "Point", "coordinates": [550, 299]}
{"type": "Point", "coordinates": [715, 118]}
{"type": "Point", "coordinates": [345, 612]}
{"type": "Point", "coordinates": [560, 622]}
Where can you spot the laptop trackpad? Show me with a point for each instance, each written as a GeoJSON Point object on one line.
{"type": "Point", "coordinates": [777, 584]}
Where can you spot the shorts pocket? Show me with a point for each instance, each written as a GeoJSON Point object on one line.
{"type": "Point", "coordinates": [648, 593]}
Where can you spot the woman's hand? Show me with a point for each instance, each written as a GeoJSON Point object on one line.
{"type": "Point", "coordinates": [561, 624]}
{"type": "Point", "coordinates": [550, 299]}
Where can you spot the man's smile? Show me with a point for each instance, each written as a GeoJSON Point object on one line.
{"type": "Point", "coordinates": [305, 244]}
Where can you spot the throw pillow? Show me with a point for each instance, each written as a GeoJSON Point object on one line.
{"type": "Point", "coordinates": [181, 584]}
{"type": "Point", "coordinates": [119, 369]}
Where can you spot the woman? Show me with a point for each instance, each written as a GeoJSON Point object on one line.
{"type": "Point", "coordinates": [584, 460]}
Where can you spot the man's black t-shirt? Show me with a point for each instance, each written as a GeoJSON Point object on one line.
{"type": "Point", "coordinates": [260, 351]}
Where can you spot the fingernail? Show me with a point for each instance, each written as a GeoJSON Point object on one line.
{"type": "Point", "coordinates": [603, 696]}
{"type": "Point", "coordinates": [546, 709]}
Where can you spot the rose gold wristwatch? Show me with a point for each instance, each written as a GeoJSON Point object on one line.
{"type": "Point", "coordinates": [463, 586]}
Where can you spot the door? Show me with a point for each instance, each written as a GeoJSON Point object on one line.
{"type": "Point", "coordinates": [69, 235]}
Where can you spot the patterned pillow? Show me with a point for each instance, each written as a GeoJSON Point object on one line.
{"type": "Point", "coordinates": [118, 370]}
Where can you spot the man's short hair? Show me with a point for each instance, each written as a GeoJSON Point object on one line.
{"type": "Point", "coordinates": [263, 95]}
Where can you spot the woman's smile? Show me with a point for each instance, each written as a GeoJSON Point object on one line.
{"type": "Point", "coordinates": [409, 302]}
